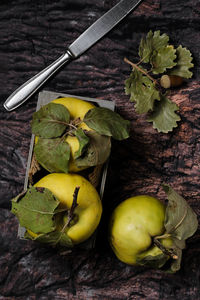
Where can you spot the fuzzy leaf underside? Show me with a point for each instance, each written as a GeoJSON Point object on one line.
{"type": "Point", "coordinates": [152, 43]}
{"type": "Point", "coordinates": [163, 116]}
{"type": "Point", "coordinates": [106, 122]}
{"type": "Point", "coordinates": [50, 120]}
{"type": "Point", "coordinates": [97, 152]}
{"type": "Point", "coordinates": [180, 219]}
{"type": "Point", "coordinates": [53, 154]}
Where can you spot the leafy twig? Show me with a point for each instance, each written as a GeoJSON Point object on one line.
{"type": "Point", "coordinates": [146, 91]}
{"type": "Point", "coordinates": [141, 70]}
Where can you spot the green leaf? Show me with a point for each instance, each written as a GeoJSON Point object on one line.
{"type": "Point", "coordinates": [179, 243]}
{"type": "Point", "coordinates": [153, 261]}
{"type": "Point", "coordinates": [97, 152]}
{"type": "Point", "coordinates": [183, 63]}
{"type": "Point", "coordinates": [146, 47]}
{"type": "Point", "coordinates": [152, 42]}
{"type": "Point", "coordinates": [50, 121]}
{"type": "Point", "coordinates": [163, 59]}
{"type": "Point", "coordinates": [106, 122]}
{"type": "Point", "coordinates": [36, 210]}
{"type": "Point", "coordinates": [163, 116]}
{"type": "Point", "coordinates": [55, 238]}
{"type": "Point", "coordinates": [53, 154]}
{"type": "Point", "coordinates": [159, 41]}
{"type": "Point", "coordinates": [176, 263]}
{"type": "Point", "coordinates": [142, 91]}
{"type": "Point", "coordinates": [83, 142]}
{"type": "Point", "coordinates": [180, 220]}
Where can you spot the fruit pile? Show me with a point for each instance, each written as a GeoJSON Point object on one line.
{"type": "Point", "coordinates": [64, 209]}
{"type": "Point", "coordinates": [71, 135]}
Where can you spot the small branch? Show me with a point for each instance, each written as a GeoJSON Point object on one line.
{"type": "Point", "coordinates": [134, 66]}
{"type": "Point", "coordinates": [68, 132]}
{"type": "Point", "coordinates": [77, 121]}
{"type": "Point", "coordinates": [164, 250]}
{"type": "Point", "coordinates": [71, 211]}
{"type": "Point", "coordinates": [73, 124]}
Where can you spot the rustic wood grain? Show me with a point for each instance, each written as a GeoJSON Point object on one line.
{"type": "Point", "coordinates": [33, 34]}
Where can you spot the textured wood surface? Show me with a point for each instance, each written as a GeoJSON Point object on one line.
{"type": "Point", "coordinates": [32, 35]}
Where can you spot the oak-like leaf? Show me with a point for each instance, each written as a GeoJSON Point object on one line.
{"type": "Point", "coordinates": [164, 115]}
{"type": "Point", "coordinates": [142, 91]}
{"type": "Point", "coordinates": [107, 122]}
{"type": "Point", "coordinates": [53, 154]}
{"type": "Point", "coordinates": [163, 59]}
{"type": "Point", "coordinates": [50, 120]}
{"type": "Point", "coordinates": [183, 63]}
{"type": "Point", "coordinates": [151, 43]}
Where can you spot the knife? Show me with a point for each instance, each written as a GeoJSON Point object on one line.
{"type": "Point", "coordinates": [87, 39]}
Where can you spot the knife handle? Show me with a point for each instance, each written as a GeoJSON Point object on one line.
{"type": "Point", "coordinates": [25, 91]}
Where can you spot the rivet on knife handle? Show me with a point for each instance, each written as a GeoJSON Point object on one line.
{"type": "Point", "coordinates": [88, 38]}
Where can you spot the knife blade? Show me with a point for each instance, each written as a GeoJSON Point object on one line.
{"type": "Point", "coordinates": [87, 39]}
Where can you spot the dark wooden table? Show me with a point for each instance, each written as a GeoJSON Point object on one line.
{"type": "Point", "coordinates": [32, 35]}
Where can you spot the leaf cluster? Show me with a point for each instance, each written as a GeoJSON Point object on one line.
{"type": "Point", "coordinates": [161, 58]}
{"type": "Point", "coordinates": [52, 123]}
{"type": "Point", "coordinates": [180, 223]}
{"type": "Point", "coordinates": [38, 211]}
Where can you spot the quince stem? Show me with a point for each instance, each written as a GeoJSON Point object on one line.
{"type": "Point", "coordinates": [71, 211]}
{"type": "Point", "coordinates": [169, 252]}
